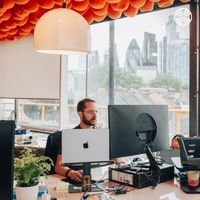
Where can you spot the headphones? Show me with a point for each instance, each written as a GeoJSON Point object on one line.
{"type": "Point", "coordinates": [174, 139]}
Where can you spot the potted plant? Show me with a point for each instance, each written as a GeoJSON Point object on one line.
{"type": "Point", "coordinates": [27, 171]}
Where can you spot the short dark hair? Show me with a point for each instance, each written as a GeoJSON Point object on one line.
{"type": "Point", "coordinates": [81, 104]}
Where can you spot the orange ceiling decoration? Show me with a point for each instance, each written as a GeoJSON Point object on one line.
{"type": "Point", "coordinates": [31, 6]}
{"type": "Point", "coordinates": [89, 15]}
{"type": "Point", "coordinates": [98, 18]}
{"type": "Point", "coordinates": [20, 11]}
{"type": "Point", "coordinates": [101, 11]}
{"type": "Point", "coordinates": [148, 6]}
{"type": "Point", "coordinates": [165, 3]}
{"type": "Point", "coordinates": [131, 11]}
{"type": "Point", "coordinates": [120, 6]}
{"type": "Point", "coordinates": [46, 4]}
{"type": "Point", "coordinates": [112, 13]}
{"type": "Point", "coordinates": [6, 16]}
{"type": "Point", "coordinates": [21, 2]}
{"type": "Point", "coordinates": [97, 4]}
{"type": "Point", "coordinates": [80, 5]}
{"type": "Point", "coordinates": [7, 4]}
{"type": "Point", "coordinates": [19, 17]}
{"type": "Point", "coordinates": [185, 1]}
{"type": "Point", "coordinates": [137, 3]}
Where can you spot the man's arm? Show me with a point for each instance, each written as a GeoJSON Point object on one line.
{"type": "Point", "coordinates": [66, 171]}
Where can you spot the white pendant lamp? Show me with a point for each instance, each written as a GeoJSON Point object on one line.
{"type": "Point", "coordinates": [62, 31]}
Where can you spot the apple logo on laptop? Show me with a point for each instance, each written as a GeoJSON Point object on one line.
{"type": "Point", "coordinates": [85, 145]}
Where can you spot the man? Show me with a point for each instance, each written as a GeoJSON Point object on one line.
{"type": "Point", "coordinates": [87, 112]}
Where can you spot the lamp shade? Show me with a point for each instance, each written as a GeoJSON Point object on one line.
{"type": "Point", "coordinates": [62, 31]}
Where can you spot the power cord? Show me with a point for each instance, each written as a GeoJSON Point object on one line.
{"type": "Point", "coordinates": [102, 178]}
{"type": "Point", "coordinates": [152, 177]}
{"type": "Point", "coordinates": [13, 115]}
{"type": "Point", "coordinates": [120, 189]}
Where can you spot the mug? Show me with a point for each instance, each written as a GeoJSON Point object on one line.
{"type": "Point", "coordinates": [193, 178]}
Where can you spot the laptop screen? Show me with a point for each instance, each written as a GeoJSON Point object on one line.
{"type": "Point", "coordinates": [85, 145]}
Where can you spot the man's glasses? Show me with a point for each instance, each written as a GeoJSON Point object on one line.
{"type": "Point", "coordinates": [91, 112]}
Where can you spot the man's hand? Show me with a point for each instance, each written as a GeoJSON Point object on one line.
{"type": "Point", "coordinates": [76, 175]}
{"type": "Point", "coordinates": [120, 163]}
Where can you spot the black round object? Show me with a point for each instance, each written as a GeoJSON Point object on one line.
{"type": "Point", "coordinates": [146, 128]}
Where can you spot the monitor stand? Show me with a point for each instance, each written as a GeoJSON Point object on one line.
{"type": "Point", "coordinates": [87, 184]}
{"type": "Point", "coordinates": [153, 167]}
{"type": "Point", "coordinates": [86, 187]}
{"type": "Point", "coordinates": [152, 161]}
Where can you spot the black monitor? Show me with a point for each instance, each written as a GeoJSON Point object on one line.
{"type": "Point", "coordinates": [7, 159]}
{"type": "Point", "coordinates": [137, 129]}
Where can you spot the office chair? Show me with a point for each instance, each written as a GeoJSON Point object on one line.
{"type": "Point", "coordinates": [52, 148]}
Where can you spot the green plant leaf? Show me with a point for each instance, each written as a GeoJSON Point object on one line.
{"type": "Point", "coordinates": [29, 167]}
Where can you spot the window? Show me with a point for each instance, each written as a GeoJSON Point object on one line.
{"type": "Point", "coordinates": [6, 109]}
{"type": "Point", "coordinates": [76, 86]}
{"type": "Point", "coordinates": [98, 70]}
{"type": "Point", "coordinates": [38, 114]}
{"type": "Point", "coordinates": [151, 66]}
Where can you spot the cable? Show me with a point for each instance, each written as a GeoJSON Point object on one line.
{"type": "Point", "coordinates": [153, 178]}
{"type": "Point", "coordinates": [83, 196]}
{"type": "Point", "coordinates": [105, 173]}
{"type": "Point", "coordinates": [13, 115]}
{"type": "Point", "coordinates": [115, 189]}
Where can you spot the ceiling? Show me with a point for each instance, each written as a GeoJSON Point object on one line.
{"type": "Point", "coordinates": [18, 17]}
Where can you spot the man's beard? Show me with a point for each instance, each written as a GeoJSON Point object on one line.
{"type": "Point", "coordinates": [87, 122]}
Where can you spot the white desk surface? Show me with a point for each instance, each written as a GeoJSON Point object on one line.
{"type": "Point", "coordinates": [160, 192]}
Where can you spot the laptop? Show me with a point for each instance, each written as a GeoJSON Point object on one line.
{"type": "Point", "coordinates": [85, 145]}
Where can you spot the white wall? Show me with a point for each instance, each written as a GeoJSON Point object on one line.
{"type": "Point", "coordinates": [25, 73]}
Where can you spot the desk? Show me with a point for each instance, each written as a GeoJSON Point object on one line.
{"type": "Point", "coordinates": [148, 193]}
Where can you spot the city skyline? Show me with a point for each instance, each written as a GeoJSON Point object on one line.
{"type": "Point", "coordinates": [133, 27]}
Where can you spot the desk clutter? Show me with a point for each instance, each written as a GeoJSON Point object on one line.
{"type": "Point", "coordinates": [26, 137]}
{"type": "Point", "coordinates": [22, 131]}
{"type": "Point", "coordinates": [141, 176]}
{"type": "Point", "coordinates": [97, 196]}
{"type": "Point", "coordinates": [23, 136]}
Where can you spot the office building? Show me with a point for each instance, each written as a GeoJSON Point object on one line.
{"type": "Point", "coordinates": [133, 57]}
{"type": "Point", "coordinates": [149, 50]}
